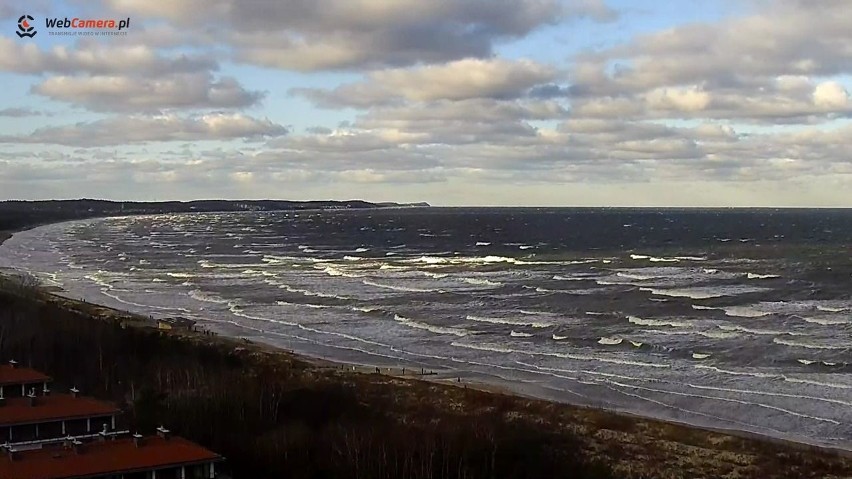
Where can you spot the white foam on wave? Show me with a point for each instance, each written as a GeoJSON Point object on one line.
{"type": "Point", "coordinates": [365, 309]}
{"type": "Point", "coordinates": [482, 243]}
{"type": "Point", "coordinates": [830, 309]}
{"type": "Point", "coordinates": [824, 321]}
{"type": "Point", "coordinates": [807, 362]}
{"type": "Point", "coordinates": [181, 275]}
{"type": "Point", "coordinates": [406, 289]}
{"type": "Point", "coordinates": [737, 373]}
{"type": "Point", "coordinates": [703, 308]}
{"type": "Point", "coordinates": [703, 292]}
{"type": "Point", "coordinates": [653, 259]}
{"type": "Point", "coordinates": [807, 345]}
{"type": "Point", "coordinates": [517, 334]}
{"type": "Point", "coordinates": [610, 341]}
{"type": "Point", "coordinates": [306, 305]}
{"type": "Point", "coordinates": [761, 276]}
{"type": "Point", "coordinates": [333, 271]}
{"type": "Point", "coordinates": [744, 312]}
{"type": "Point", "coordinates": [509, 321]}
{"type": "Point", "coordinates": [637, 277]}
{"type": "Point", "coordinates": [572, 278]}
{"type": "Point", "coordinates": [475, 260]}
{"type": "Point", "coordinates": [767, 332]}
{"type": "Point", "coordinates": [291, 289]}
{"type": "Point", "coordinates": [429, 327]}
{"type": "Point", "coordinates": [556, 337]}
{"type": "Point", "coordinates": [354, 258]}
{"type": "Point", "coordinates": [362, 250]}
{"type": "Point", "coordinates": [700, 356]}
{"type": "Point", "coordinates": [691, 258]}
{"type": "Point", "coordinates": [636, 344]}
{"type": "Point", "coordinates": [536, 313]}
{"type": "Point", "coordinates": [577, 357]}
{"type": "Point", "coordinates": [657, 322]}
{"type": "Point", "coordinates": [199, 295]}
{"type": "Point", "coordinates": [481, 282]}
{"type": "Point", "coordinates": [434, 275]}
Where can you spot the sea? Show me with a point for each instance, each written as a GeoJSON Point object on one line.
{"type": "Point", "coordinates": [732, 319]}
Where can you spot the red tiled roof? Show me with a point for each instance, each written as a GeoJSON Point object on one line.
{"type": "Point", "coordinates": [52, 408]}
{"type": "Point", "coordinates": [19, 375]}
{"type": "Point", "coordinates": [109, 457]}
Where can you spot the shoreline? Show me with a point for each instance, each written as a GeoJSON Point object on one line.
{"type": "Point", "coordinates": [395, 378]}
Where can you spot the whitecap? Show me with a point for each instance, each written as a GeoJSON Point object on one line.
{"type": "Point", "coordinates": [429, 327]}
{"type": "Point", "coordinates": [559, 338]}
{"type": "Point", "coordinates": [401, 288]}
{"type": "Point", "coordinates": [807, 345]}
{"type": "Point", "coordinates": [761, 276]}
{"type": "Point", "coordinates": [700, 356]}
{"type": "Point", "coordinates": [610, 341]}
{"type": "Point", "coordinates": [510, 321]}
{"type": "Point", "coordinates": [656, 322]}
{"type": "Point", "coordinates": [516, 334]}
{"type": "Point", "coordinates": [482, 243]}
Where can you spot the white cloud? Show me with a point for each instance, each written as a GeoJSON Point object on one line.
{"type": "Point", "coordinates": [140, 129]}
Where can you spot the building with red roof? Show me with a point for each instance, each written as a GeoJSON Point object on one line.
{"type": "Point", "coordinates": [111, 456]}
{"type": "Point", "coordinates": [53, 415]}
{"type": "Point", "coordinates": [16, 381]}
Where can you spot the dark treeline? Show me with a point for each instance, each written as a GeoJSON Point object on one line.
{"type": "Point", "coordinates": [274, 416]}
{"type": "Point", "coordinates": [21, 214]}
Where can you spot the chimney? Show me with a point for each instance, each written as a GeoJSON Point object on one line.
{"type": "Point", "coordinates": [31, 397]}
{"type": "Point", "coordinates": [137, 439]}
{"type": "Point", "coordinates": [75, 392]}
{"type": "Point", "coordinates": [2, 400]}
{"type": "Point", "coordinates": [103, 434]}
{"type": "Point", "coordinates": [45, 391]}
{"type": "Point", "coordinates": [77, 445]}
{"type": "Point", "coordinates": [13, 364]}
{"type": "Point", "coordinates": [163, 432]}
{"type": "Point", "coordinates": [10, 451]}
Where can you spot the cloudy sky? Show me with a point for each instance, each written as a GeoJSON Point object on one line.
{"type": "Point", "coordinates": [467, 102]}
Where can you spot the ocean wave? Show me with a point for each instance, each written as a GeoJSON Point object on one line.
{"type": "Point", "coordinates": [700, 356]}
{"type": "Point", "coordinates": [199, 295]}
{"type": "Point", "coordinates": [744, 312]}
{"type": "Point", "coordinates": [558, 338]}
{"type": "Point", "coordinates": [429, 327]}
{"type": "Point", "coordinates": [354, 258]}
{"type": "Point", "coordinates": [637, 277]}
{"type": "Point", "coordinates": [823, 321]}
{"type": "Point", "coordinates": [653, 259]}
{"type": "Point", "coordinates": [536, 313]}
{"type": "Point", "coordinates": [830, 309]}
{"type": "Point", "coordinates": [509, 321]}
{"type": "Point", "coordinates": [401, 288]}
{"type": "Point", "coordinates": [768, 332]}
{"type": "Point", "coordinates": [306, 305]}
{"type": "Point", "coordinates": [737, 373]}
{"type": "Point", "coordinates": [705, 292]}
{"type": "Point", "coordinates": [807, 362]}
{"type": "Point", "coordinates": [577, 357]}
{"type": "Point", "coordinates": [636, 344]}
{"type": "Point", "coordinates": [483, 243]}
{"type": "Point", "coordinates": [761, 276]}
{"type": "Point", "coordinates": [572, 278]}
{"type": "Point", "coordinates": [807, 345]}
{"type": "Point", "coordinates": [481, 282]}
{"type": "Point", "coordinates": [475, 260]}
{"type": "Point", "coordinates": [657, 322]}
{"type": "Point", "coordinates": [691, 258]}
{"type": "Point", "coordinates": [610, 341]}
{"type": "Point", "coordinates": [516, 334]}
{"type": "Point", "coordinates": [362, 250]}
{"type": "Point", "coordinates": [703, 308]}
{"type": "Point", "coordinates": [434, 275]}
{"type": "Point", "coordinates": [814, 382]}
{"type": "Point", "coordinates": [291, 289]}
{"type": "Point", "coordinates": [365, 309]}
{"type": "Point", "coordinates": [333, 271]}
